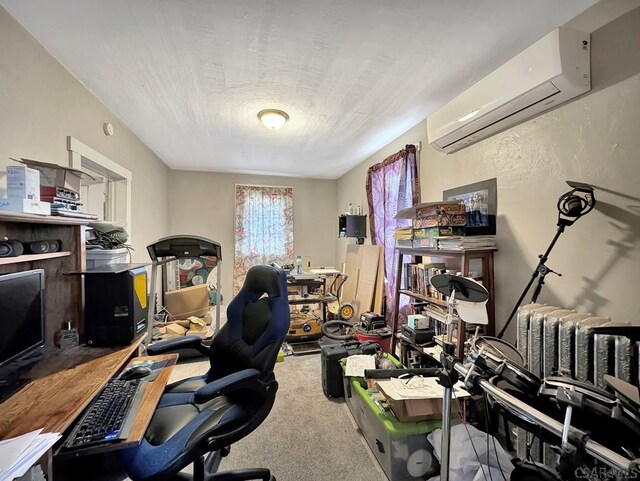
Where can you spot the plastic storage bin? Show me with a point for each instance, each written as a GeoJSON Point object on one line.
{"type": "Point", "coordinates": [105, 257]}
{"type": "Point", "coordinates": [401, 449]}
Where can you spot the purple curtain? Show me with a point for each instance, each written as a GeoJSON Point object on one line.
{"type": "Point", "coordinates": [392, 185]}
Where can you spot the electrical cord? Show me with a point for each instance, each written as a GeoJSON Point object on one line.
{"type": "Point", "coordinates": [495, 448]}
{"type": "Point", "coordinates": [528, 454]}
{"type": "Point", "coordinates": [469, 435]}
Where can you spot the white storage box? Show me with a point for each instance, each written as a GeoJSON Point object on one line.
{"type": "Point", "coordinates": [23, 182]}
{"type": "Point", "coordinates": [105, 257]}
{"type": "Point", "coordinates": [27, 206]}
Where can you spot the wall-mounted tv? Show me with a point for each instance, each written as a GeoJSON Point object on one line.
{"type": "Point", "coordinates": [21, 314]}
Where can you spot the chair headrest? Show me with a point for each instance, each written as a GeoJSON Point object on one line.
{"type": "Point", "coordinates": [264, 279]}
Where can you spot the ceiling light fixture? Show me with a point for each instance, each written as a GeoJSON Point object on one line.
{"type": "Point", "coordinates": [273, 119]}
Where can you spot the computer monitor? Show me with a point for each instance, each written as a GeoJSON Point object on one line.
{"type": "Point", "coordinates": [21, 314]}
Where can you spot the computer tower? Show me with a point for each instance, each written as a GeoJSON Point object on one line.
{"type": "Point", "coordinates": [115, 310]}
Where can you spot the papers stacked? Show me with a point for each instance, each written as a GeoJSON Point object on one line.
{"type": "Point", "coordinates": [357, 364]}
{"type": "Point", "coordinates": [467, 242]}
{"type": "Point", "coordinates": [418, 388]}
{"type": "Point", "coordinates": [17, 455]}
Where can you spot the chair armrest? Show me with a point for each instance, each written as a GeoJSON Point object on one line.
{"type": "Point", "coordinates": [245, 379]}
{"type": "Point", "coordinates": [171, 345]}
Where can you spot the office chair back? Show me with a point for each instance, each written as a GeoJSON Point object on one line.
{"type": "Point", "coordinates": [255, 327]}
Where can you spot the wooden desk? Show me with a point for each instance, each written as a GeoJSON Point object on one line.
{"type": "Point", "coordinates": [63, 384]}
{"type": "Point", "coordinates": [151, 397]}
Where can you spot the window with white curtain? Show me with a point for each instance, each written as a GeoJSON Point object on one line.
{"type": "Point", "coordinates": [263, 228]}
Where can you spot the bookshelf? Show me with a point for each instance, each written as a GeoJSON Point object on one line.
{"type": "Point", "coordinates": [476, 261]}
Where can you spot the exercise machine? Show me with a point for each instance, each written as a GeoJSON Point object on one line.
{"type": "Point", "coordinates": [172, 249]}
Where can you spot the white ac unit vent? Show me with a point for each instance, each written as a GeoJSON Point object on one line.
{"type": "Point", "coordinates": [549, 72]}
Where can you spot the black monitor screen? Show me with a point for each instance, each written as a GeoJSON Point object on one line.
{"type": "Point", "coordinates": [21, 313]}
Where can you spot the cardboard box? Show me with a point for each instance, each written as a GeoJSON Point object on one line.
{"type": "Point", "coordinates": [187, 302]}
{"type": "Point", "coordinates": [431, 243]}
{"type": "Point", "coordinates": [421, 401]}
{"type": "Point", "coordinates": [175, 329]}
{"type": "Point", "coordinates": [418, 321]}
{"type": "Point", "coordinates": [441, 220]}
{"type": "Point", "coordinates": [23, 182]}
{"type": "Point", "coordinates": [416, 410]}
{"type": "Point", "coordinates": [427, 233]}
{"type": "Point", "coordinates": [54, 175]}
{"type": "Point", "coordinates": [441, 208]}
{"type": "Point", "coordinates": [27, 206]}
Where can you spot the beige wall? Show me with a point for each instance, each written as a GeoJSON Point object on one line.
{"type": "Point", "coordinates": [41, 103]}
{"type": "Point", "coordinates": [594, 139]}
{"type": "Point", "coordinates": [203, 204]}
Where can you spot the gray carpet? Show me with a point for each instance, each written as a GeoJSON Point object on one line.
{"type": "Point", "coordinates": [305, 438]}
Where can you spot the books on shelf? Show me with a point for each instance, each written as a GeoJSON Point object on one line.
{"type": "Point", "coordinates": [467, 242]}
{"type": "Point", "coordinates": [417, 275]}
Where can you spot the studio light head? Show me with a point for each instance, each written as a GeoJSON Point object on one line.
{"type": "Point", "coordinates": [575, 203]}
{"type": "Point", "coordinates": [571, 206]}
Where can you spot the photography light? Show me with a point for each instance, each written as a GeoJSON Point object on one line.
{"type": "Point", "coordinates": [574, 204]}
{"type": "Point", "coordinates": [571, 206]}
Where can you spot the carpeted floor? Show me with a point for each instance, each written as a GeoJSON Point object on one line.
{"type": "Point", "coordinates": [305, 438]}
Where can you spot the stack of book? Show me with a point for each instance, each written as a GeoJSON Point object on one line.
{"type": "Point", "coordinates": [417, 276]}
{"type": "Point", "coordinates": [403, 236]}
{"type": "Point", "coordinates": [467, 242]}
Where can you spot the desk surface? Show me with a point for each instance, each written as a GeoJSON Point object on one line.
{"type": "Point", "coordinates": [63, 384]}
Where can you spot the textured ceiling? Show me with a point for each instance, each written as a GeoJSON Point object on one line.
{"type": "Point", "coordinates": [188, 77]}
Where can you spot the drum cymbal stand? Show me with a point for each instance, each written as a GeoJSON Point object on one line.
{"type": "Point", "coordinates": [469, 291]}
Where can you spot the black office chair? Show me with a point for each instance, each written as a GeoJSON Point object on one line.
{"type": "Point", "coordinates": [206, 414]}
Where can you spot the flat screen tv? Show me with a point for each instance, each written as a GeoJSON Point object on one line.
{"type": "Point", "coordinates": [21, 314]}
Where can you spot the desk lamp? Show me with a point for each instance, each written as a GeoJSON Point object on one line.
{"type": "Point", "coordinates": [469, 298]}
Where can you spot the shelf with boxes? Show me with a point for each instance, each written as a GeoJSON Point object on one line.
{"type": "Point", "coordinates": [477, 263]}
{"type": "Point", "coordinates": [305, 291]}
{"type": "Point", "coordinates": [440, 225]}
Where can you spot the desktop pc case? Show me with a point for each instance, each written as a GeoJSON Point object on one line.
{"type": "Point", "coordinates": [115, 306]}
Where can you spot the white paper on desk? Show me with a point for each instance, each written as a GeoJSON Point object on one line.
{"type": "Point", "coordinates": [357, 363]}
{"type": "Point", "coordinates": [11, 449]}
{"type": "Point", "coordinates": [417, 388]}
{"type": "Point", "coordinates": [17, 455]}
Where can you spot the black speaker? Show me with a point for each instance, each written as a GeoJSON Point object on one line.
{"type": "Point", "coordinates": [36, 247]}
{"type": "Point", "coordinates": [11, 248]}
{"type": "Point", "coordinates": [55, 245]}
{"type": "Point", "coordinates": [42, 247]}
{"type": "Point", "coordinates": [5, 249]}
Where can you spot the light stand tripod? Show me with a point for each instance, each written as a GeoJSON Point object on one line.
{"type": "Point", "coordinates": [455, 287]}
{"type": "Point", "coordinates": [571, 206]}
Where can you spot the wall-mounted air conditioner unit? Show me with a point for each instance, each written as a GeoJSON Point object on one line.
{"type": "Point", "coordinates": [551, 71]}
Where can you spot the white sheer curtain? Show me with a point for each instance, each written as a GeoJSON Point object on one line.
{"type": "Point", "coordinates": [263, 230]}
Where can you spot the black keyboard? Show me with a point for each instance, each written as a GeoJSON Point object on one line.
{"type": "Point", "coordinates": [106, 417]}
